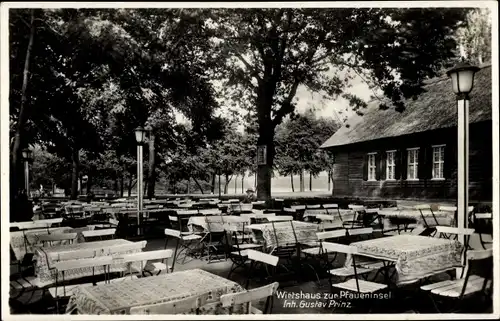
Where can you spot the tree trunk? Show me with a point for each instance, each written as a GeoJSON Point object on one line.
{"type": "Point", "coordinates": [301, 180]}
{"type": "Point", "coordinates": [116, 185]}
{"type": "Point", "coordinates": [255, 180]}
{"type": "Point", "coordinates": [198, 184]}
{"type": "Point", "coordinates": [226, 183]}
{"type": "Point", "coordinates": [16, 172]}
{"type": "Point", "coordinates": [212, 187]}
{"type": "Point", "coordinates": [151, 171]}
{"type": "Point", "coordinates": [129, 184]}
{"type": "Point", "coordinates": [310, 182]}
{"type": "Point", "coordinates": [89, 183]}
{"type": "Point", "coordinates": [329, 176]}
{"type": "Point", "coordinates": [242, 183]}
{"type": "Point", "coordinates": [219, 185]}
{"type": "Point", "coordinates": [189, 185]}
{"type": "Point", "coordinates": [291, 181]}
{"type": "Point", "coordinates": [80, 186]}
{"type": "Point", "coordinates": [75, 158]}
{"type": "Point", "coordinates": [236, 185]}
{"type": "Point", "coordinates": [122, 178]}
{"type": "Point", "coordinates": [264, 171]}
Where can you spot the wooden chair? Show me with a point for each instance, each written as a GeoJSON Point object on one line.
{"type": "Point", "coordinates": [257, 257]}
{"type": "Point", "coordinates": [280, 218]}
{"type": "Point", "coordinates": [483, 226]}
{"type": "Point", "coordinates": [472, 285]}
{"type": "Point", "coordinates": [50, 239]}
{"type": "Point", "coordinates": [237, 252]}
{"type": "Point", "coordinates": [332, 209]}
{"type": "Point", "coordinates": [144, 257]}
{"type": "Point", "coordinates": [95, 235]}
{"type": "Point", "coordinates": [190, 305]}
{"type": "Point", "coordinates": [184, 244]}
{"type": "Point", "coordinates": [313, 206]}
{"type": "Point", "coordinates": [265, 292]}
{"type": "Point", "coordinates": [214, 241]}
{"type": "Point", "coordinates": [354, 284]}
{"type": "Point", "coordinates": [357, 222]}
{"type": "Point", "coordinates": [63, 266]}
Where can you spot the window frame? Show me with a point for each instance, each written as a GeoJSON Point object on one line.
{"type": "Point", "coordinates": [393, 165]}
{"type": "Point", "coordinates": [368, 167]}
{"type": "Point", "coordinates": [415, 164]}
{"type": "Point", "coordinates": [440, 161]}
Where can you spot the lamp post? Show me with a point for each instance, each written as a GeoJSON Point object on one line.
{"type": "Point", "coordinates": [140, 135]}
{"type": "Point", "coordinates": [462, 81]}
{"type": "Point", "coordinates": [27, 156]}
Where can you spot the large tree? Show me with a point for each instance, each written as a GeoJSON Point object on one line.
{"type": "Point", "coordinates": [271, 52]}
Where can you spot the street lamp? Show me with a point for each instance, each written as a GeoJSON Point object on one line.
{"type": "Point", "coordinates": [462, 82]}
{"type": "Point", "coordinates": [27, 157]}
{"type": "Point", "coordinates": [140, 135]}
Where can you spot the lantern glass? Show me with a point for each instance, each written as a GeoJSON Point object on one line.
{"type": "Point", "coordinates": [139, 135]}
{"type": "Point", "coordinates": [27, 153]}
{"type": "Point", "coordinates": [462, 78]}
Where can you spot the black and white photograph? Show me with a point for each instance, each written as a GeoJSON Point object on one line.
{"type": "Point", "coordinates": [331, 160]}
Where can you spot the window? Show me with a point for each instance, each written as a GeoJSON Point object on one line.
{"type": "Point", "coordinates": [391, 165]}
{"type": "Point", "coordinates": [438, 162]}
{"type": "Point", "coordinates": [372, 167]}
{"type": "Point", "coordinates": [412, 164]}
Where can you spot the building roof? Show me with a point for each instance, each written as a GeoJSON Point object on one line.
{"type": "Point", "coordinates": [434, 109]}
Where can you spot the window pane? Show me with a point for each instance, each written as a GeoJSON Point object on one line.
{"type": "Point", "coordinates": [411, 172]}
{"type": "Point", "coordinates": [441, 171]}
{"type": "Point", "coordinates": [435, 170]}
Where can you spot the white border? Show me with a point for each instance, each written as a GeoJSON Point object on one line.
{"type": "Point", "coordinates": [4, 128]}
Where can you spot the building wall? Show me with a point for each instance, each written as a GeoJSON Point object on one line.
{"type": "Point", "coordinates": [350, 170]}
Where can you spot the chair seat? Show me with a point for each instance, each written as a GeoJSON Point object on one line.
{"type": "Point", "coordinates": [69, 290]}
{"type": "Point", "coordinates": [23, 283]}
{"type": "Point", "coordinates": [364, 286]}
{"type": "Point", "coordinates": [242, 253]}
{"type": "Point", "coordinates": [190, 237]}
{"type": "Point", "coordinates": [311, 243]}
{"type": "Point", "coordinates": [349, 271]}
{"type": "Point", "coordinates": [454, 290]}
{"type": "Point", "coordinates": [247, 246]}
{"type": "Point", "coordinates": [156, 267]}
{"type": "Point", "coordinates": [312, 251]}
{"type": "Point", "coordinates": [446, 283]}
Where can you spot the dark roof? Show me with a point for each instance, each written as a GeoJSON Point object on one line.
{"type": "Point", "coordinates": [434, 109]}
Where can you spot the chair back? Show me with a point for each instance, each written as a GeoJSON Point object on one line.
{"type": "Point", "coordinates": [360, 231]}
{"type": "Point", "coordinates": [357, 208]}
{"type": "Point", "coordinates": [187, 305]}
{"type": "Point", "coordinates": [280, 218]}
{"type": "Point", "coordinates": [57, 237]}
{"type": "Point", "coordinates": [145, 256]}
{"type": "Point", "coordinates": [171, 232]}
{"type": "Point", "coordinates": [50, 221]}
{"type": "Point", "coordinates": [98, 233]}
{"type": "Point", "coordinates": [262, 257]}
{"type": "Point", "coordinates": [126, 247]}
{"type": "Point", "coordinates": [331, 234]}
{"type": "Point", "coordinates": [298, 207]}
{"type": "Point", "coordinates": [314, 206]}
{"type": "Point", "coordinates": [74, 255]}
{"type": "Point", "coordinates": [246, 297]}
{"type": "Point", "coordinates": [83, 263]}
{"type": "Point", "coordinates": [326, 206]}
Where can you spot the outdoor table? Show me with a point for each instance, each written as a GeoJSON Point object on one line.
{"type": "Point", "coordinates": [443, 217]}
{"type": "Point", "coordinates": [119, 297]}
{"type": "Point", "coordinates": [22, 242]}
{"type": "Point", "coordinates": [415, 257]}
{"type": "Point", "coordinates": [278, 234]}
{"type": "Point", "coordinates": [200, 224]}
{"type": "Point", "coordinates": [46, 257]}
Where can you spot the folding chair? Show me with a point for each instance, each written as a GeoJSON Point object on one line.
{"type": "Point", "coordinates": [483, 225]}
{"type": "Point", "coordinates": [190, 305]}
{"type": "Point", "coordinates": [97, 235]}
{"type": "Point", "coordinates": [216, 237]}
{"type": "Point", "coordinates": [63, 266]}
{"type": "Point", "coordinates": [461, 289]}
{"type": "Point", "coordinates": [184, 241]}
{"type": "Point", "coordinates": [146, 267]}
{"type": "Point", "coordinates": [357, 222]}
{"type": "Point", "coordinates": [61, 238]}
{"type": "Point", "coordinates": [330, 209]}
{"type": "Point", "coordinates": [257, 257]}
{"type": "Point", "coordinates": [237, 252]}
{"type": "Point", "coordinates": [354, 284]}
{"type": "Point", "coordinates": [265, 292]}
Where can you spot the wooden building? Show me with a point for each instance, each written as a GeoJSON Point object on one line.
{"type": "Point", "coordinates": [413, 155]}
